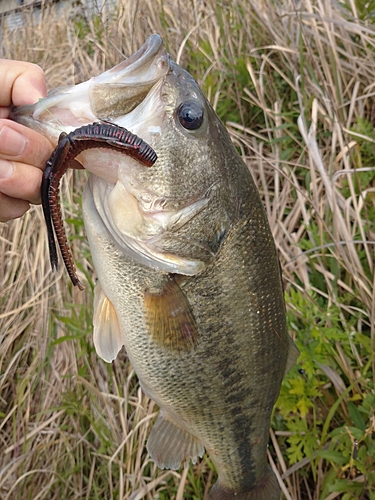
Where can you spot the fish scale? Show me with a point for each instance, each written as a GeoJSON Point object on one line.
{"type": "Point", "coordinates": [188, 275]}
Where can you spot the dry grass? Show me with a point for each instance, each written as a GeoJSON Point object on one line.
{"type": "Point", "coordinates": [295, 83]}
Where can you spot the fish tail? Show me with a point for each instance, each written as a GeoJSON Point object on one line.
{"type": "Point", "coordinates": [267, 489]}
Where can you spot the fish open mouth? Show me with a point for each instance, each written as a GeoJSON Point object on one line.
{"type": "Point", "coordinates": [123, 95]}
{"type": "Point", "coordinates": [121, 89]}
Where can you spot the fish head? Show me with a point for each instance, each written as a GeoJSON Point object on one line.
{"type": "Point", "coordinates": [175, 215]}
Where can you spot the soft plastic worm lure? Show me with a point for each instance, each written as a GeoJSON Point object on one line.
{"type": "Point", "coordinates": [96, 135]}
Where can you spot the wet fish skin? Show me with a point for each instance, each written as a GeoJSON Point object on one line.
{"type": "Point", "coordinates": [192, 288]}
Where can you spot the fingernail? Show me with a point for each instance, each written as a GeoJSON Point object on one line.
{"type": "Point", "coordinates": [12, 143]}
{"type": "Point", "coordinates": [6, 169]}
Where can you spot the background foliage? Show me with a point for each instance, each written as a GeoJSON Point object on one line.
{"type": "Point", "coordinates": [294, 82]}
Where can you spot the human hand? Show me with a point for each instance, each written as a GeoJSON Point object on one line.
{"type": "Point", "coordinates": [23, 152]}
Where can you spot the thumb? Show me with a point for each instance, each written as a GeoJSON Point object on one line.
{"type": "Point", "coordinates": [21, 83]}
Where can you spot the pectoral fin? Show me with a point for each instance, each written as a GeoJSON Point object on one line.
{"type": "Point", "coordinates": [169, 317]}
{"type": "Point", "coordinates": [108, 338]}
{"type": "Point", "coordinates": [169, 445]}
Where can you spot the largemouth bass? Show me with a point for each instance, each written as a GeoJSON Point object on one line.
{"type": "Point", "coordinates": [188, 276]}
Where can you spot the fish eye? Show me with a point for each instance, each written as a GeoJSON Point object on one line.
{"type": "Point", "coordinates": [190, 114]}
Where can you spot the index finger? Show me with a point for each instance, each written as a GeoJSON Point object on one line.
{"type": "Point", "coordinates": [20, 83]}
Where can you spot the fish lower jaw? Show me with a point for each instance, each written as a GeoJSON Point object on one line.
{"type": "Point", "coordinates": [141, 232]}
{"type": "Point", "coordinates": [161, 261]}
{"type": "Point", "coordinates": [117, 210]}
{"type": "Point", "coordinates": [140, 243]}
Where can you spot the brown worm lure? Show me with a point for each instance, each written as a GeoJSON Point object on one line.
{"type": "Point", "coordinates": [95, 135]}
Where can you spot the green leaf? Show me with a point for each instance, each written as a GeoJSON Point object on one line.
{"type": "Point", "coordinates": [356, 416]}
{"type": "Point", "coordinates": [334, 456]}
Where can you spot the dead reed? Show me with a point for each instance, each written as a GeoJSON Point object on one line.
{"type": "Point", "coordinates": [295, 84]}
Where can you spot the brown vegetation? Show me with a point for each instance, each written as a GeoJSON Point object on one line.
{"type": "Point", "coordinates": [295, 84]}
